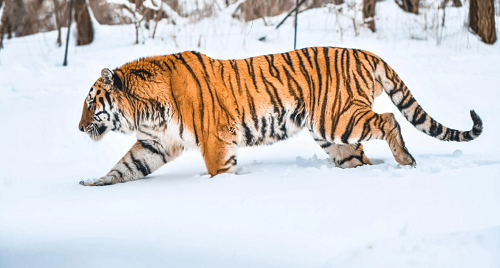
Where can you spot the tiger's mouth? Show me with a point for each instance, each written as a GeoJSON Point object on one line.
{"type": "Point", "coordinates": [96, 132]}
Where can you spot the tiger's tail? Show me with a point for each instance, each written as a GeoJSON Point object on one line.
{"type": "Point", "coordinates": [413, 112]}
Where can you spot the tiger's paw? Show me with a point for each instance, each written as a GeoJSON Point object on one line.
{"type": "Point", "coordinates": [98, 182]}
{"type": "Point", "coordinates": [353, 161]}
{"type": "Point", "coordinates": [406, 160]}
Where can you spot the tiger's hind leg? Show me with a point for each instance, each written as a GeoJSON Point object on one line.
{"type": "Point", "coordinates": [343, 155]}
{"type": "Point", "coordinates": [364, 125]}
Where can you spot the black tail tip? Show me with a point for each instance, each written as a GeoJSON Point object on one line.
{"type": "Point", "coordinates": [478, 124]}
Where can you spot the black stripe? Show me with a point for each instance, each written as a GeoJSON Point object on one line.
{"type": "Point", "coordinates": [253, 112]}
{"type": "Point", "coordinates": [288, 60]}
{"type": "Point", "coordinates": [299, 89]}
{"type": "Point", "coordinates": [351, 157]}
{"type": "Point", "coordinates": [325, 98]}
{"type": "Point", "coordinates": [436, 128]}
{"type": "Point", "coordinates": [127, 166]}
{"type": "Point", "coordinates": [419, 116]}
{"type": "Point", "coordinates": [116, 122]}
{"type": "Point", "coordinates": [234, 96]}
{"type": "Point", "coordinates": [305, 73]}
{"type": "Point", "coordinates": [142, 167]}
{"type": "Point", "coordinates": [234, 65]}
{"type": "Point", "coordinates": [351, 124]}
{"type": "Point", "coordinates": [366, 127]}
{"type": "Point", "coordinates": [271, 127]}
{"type": "Point", "coordinates": [195, 131]}
{"type": "Point", "coordinates": [467, 136]}
{"type": "Point", "coordinates": [409, 101]}
{"type": "Point", "coordinates": [201, 105]}
{"type": "Point", "coordinates": [152, 149]}
{"type": "Point", "coordinates": [263, 126]}
{"type": "Point", "coordinates": [359, 65]}
{"type": "Point", "coordinates": [306, 54]}
{"type": "Point", "coordinates": [166, 65]}
{"type": "Point", "coordinates": [251, 72]}
{"type": "Point", "coordinates": [326, 145]}
{"type": "Point", "coordinates": [347, 83]}
{"type": "Point", "coordinates": [158, 64]}
{"type": "Point", "coordinates": [367, 59]}
{"type": "Point", "coordinates": [360, 91]}
{"type": "Point", "coordinates": [275, 99]}
{"type": "Point", "coordinates": [232, 160]}
{"type": "Point", "coordinates": [337, 100]}
{"type": "Point", "coordinates": [108, 98]}
{"type": "Point", "coordinates": [181, 125]}
{"type": "Point", "coordinates": [141, 73]}
{"type": "Point", "coordinates": [248, 133]}
{"type": "Point", "coordinates": [272, 69]}
{"type": "Point", "coordinates": [207, 80]}
{"type": "Point", "coordinates": [320, 84]}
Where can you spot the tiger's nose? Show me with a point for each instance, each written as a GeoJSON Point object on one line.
{"type": "Point", "coordinates": [82, 129]}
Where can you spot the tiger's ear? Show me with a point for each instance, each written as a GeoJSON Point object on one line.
{"type": "Point", "coordinates": [107, 76]}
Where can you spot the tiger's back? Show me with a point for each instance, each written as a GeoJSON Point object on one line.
{"type": "Point", "coordinates": [274, 96]}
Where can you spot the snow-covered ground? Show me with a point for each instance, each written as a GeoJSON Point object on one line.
{"type": "Point", "coordinates": [290, 207]}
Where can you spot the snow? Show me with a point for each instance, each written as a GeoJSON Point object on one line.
{"type": "Point", "coordinates": [289, 206]}
{"type": "Point", "coordinates": [465, 249]}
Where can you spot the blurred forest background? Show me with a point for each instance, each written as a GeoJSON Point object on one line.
{"type": "Point", "coordinates": [27, 17]}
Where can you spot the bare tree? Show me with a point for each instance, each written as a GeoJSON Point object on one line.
{"type": "Point", "coordinates": [482, 20]}
{"type": "Point", "coordinates": [31, 24]}
{"type": "Point", "coordinates": [14, 17]}
{"type": "Point", "coordinates": [108, 12]}
{"type": "Point", "coordinates": [57, 11]}
{"type": "Point", "coordinates": [85, 32]}
{"type": "Point", "coordinates": [409, 5]}
{"type": "Point", "coordinates": [4, 23]}
{"type": "Point", "coordinates": [369, 13]}
{"type": "Point", "coordinates": [13, 11]}
{"type": "Point", "coordinates": [158, 17]}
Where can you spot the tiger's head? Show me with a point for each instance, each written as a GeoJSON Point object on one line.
{"type": "Point", "coordinates": [101, 109]}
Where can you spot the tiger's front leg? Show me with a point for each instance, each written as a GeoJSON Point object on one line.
{"type": "Point", "coordinates": [142, 159]}
{"type": "Point", "coordinates": [220, 151]}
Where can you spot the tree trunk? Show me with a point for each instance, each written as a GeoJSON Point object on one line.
{"type": "Point", "coordinates": [408, 5]}
{"type": "Point", "coordinates": [31, 26]}
{"type": "Point", "coordinates": [457, 3]}
{"type": "Point", "coordinates": [14, 18]}
{"type": "Point", "coordinates": [158, 16]}
{"type": "Point", "coordinates": [57, 11]}
{"type": "Point", "coordinates": [482, 19]}
{"type": "Point", "coordinates": [2, 25]}
{"type": "Point", "coordinates": [369, 13]}
{"type": "Point", "coordinates": [454, 3]}
{"type": "Point", "coordinates": [84, 30]}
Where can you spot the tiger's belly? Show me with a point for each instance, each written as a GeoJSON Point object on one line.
{"type": "Point", "coordinates": [271, 127]}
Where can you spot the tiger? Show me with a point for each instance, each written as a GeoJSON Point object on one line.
{"type": "Point", "coordinates": [189, 100]}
